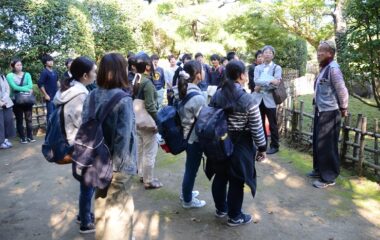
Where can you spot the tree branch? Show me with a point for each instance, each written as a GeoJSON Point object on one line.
{"type": "Point", "coordinates": [364, 101]}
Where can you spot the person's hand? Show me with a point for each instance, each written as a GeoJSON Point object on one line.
{"type": "Point", "coordinates": [47, 97]}
{"type": "Point", "coordinates": [257, 88]}
{"type": "Point", "coordinates": [275, 82]}
{"type": "Point", "coordinates": [261, 156]}
{"type": "Point", "coordinates": [344, 112]}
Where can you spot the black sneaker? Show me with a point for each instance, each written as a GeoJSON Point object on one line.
{"type": "Point", "coordinates": [31, 140]}
{"type": "Point", "coordinates": [23, 141]}
{"type": "Point", "coordinates": [92, 218]}
{"type": "Point", "coordinates": [313, 174]}
{"type": "Point", "coordinates": [90, 228]}
{"type": "Point", "coordinates": [220, 214]}
{"type": "Point", "coordinates": [323, 184]}
{"type": "Point", "coordinates": [272, 150]}
{"type": "Point", "coordinates": [241, 220]}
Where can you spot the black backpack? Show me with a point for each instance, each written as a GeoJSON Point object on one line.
{"type": "Point", "coordinates": [92, 161]}
{"type": "Point", "coordinates": [170, 127]}
{"type": "Point", "coordinates": [56, 148]}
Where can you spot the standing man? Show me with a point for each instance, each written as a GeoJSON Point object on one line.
{"type": "Point", "coordinates": [251, 71]}
{"type": "Point", "coordinates": [331, 103]}
{"type": "Point", "coordinates": [216, 75]}
{"type": "Point", "coordinates": [158, 79]}
{"type": "Point", "coordinates": [267, 77]}
{"type": "Point", "coordinates": [206, 76]}
{"type": "Point", "coordinates": [169, 74]}
{"type": "Point", "coordinates": [48, 83]}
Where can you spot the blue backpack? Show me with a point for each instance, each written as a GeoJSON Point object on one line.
{"type": "Point", "coordinates": [212, 131]}
{"type": "Point", "coordinates": [170, 127]}
{"type": "Point", "coordinates": [56, 148]}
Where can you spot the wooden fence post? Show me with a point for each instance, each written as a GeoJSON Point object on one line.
{"type": "Point", "coordinates": [362, 145]}
{"type": "Point", "coordinates": [345, 138]}
{"type": "Point", "coordinates": [301, 117]}
{"type": "Point", "coordinates": [357, 136]}
{"type": "Point", "coordinates": [294, 121]}
{"type": "Point", "coordinates": [376, 145]}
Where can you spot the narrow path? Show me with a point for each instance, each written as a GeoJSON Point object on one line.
{"type": "Point", "coordinates": [39, 201]}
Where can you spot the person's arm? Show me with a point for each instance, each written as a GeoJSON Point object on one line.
{"type": "Point", "coordinates": [337, 81]}
{"type": "Point", "coordinates": [125, 148]}
{"type": "Point", "coordinates": [256, 128]}
{"type": "Point", "coordinates": [41, 84]}
{"type": "Point", "coordinates": [150, 101]}
{"type": "Point", "coordinates": [277, 76]}
{"type": "Point", "coordinates": [29, 81]}
{"type": "Point", "coordinates": [251, 75]}
{"type": "Point", "coordinates": [14, 86]}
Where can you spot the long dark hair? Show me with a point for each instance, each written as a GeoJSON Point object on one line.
{"type": "Point", "coordinates": [187, 75]}
{"type": "Point", "coordinates": [112, 71]}
{"type": "Point", "coordinates": [234, 69]}
{"type": "Point", "coordinates": [79, 66]}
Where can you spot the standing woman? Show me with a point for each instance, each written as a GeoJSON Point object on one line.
{"type": "Point", "coordinates": [20, 81]}
{"type": "Point", "coordinates": [72, 95]}
{"type": "Point", "coordinates": [246, 132]}
{"type": "Point", "coordinates": [267, 77]}
{"type": "Point", "coordinates": [7, 128]}
{"type": "Point", "coordinates": [114, 212]}
{"type": "Point", "coordinates": [191, 75]}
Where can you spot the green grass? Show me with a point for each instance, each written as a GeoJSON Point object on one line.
{"type": "Point", "coordinates": [354, 106]}
{"type": "Point", "coordinates": [362, 190]}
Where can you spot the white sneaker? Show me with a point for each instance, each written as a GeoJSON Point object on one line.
{"type": "Point", "coordinates": [4, 146]}
{"type": "Point", "coordinates": [194, 194]}
{"type": "Point", "coordinates": [195, 203]}
{"type": "Point", "coordinates": [6, 141]}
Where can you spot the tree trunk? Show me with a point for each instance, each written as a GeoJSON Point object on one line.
{"type": "Point", "coordinates": [340, 27]}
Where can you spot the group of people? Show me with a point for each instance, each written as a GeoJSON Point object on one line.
{"type": "Point", "coordinates": [133, 150]}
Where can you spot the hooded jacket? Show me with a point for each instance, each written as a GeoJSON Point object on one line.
{"type": "Point", "coordinates": [4, 93]}
{"type": "Point", "coordinates": [73, 98]}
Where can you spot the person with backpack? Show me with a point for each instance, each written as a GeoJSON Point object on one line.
{"type": "Point", "coordinates": [21, 82]}
{"type": "Point", "coordinates": [331, 104]}
{"type": "Point", "coordinates": [147, 142]}
{"type": "Point", "coordinates": [48, 83]}
{"type": "Point", "coordinates": [7, 129]}
{"type": "Point", "coordinates": [114, 204]}
{"type": "Point", "coordinates": [191, 75]}
{"type": "Point", "coordinates": [71, 97]}
{"type": "Point", "coordinates": [267, 77]}
{"type": "Point", "coordinates": [246, 133]}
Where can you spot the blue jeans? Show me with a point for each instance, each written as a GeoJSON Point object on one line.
{"type": "Point", "coordinates": [193, 160]}
{"type": "Point", "coordinates": [85, 198]}
{"type": "Point", "coordinates": [49, 109]}
{"type": "Point", "coordinates": [234, 197]}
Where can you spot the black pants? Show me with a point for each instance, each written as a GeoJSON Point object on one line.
{"type": "Point", "coordinates": [7, 128]}
{"type": "Point", "coordinates": [21, 112]}
{"type": "Point", "coordinates": [270, 113]}
{"type": "Point", "coordinates": [325, 144]}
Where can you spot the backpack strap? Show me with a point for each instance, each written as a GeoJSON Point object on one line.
{"type": "Point", "coordinates": [111, 104]}
{"type": "Point", "coordinates": [187, 98]}
{"type": "Point", "coordinates": [274, 69]}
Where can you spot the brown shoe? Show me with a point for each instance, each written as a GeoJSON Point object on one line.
{"type": "Point", "coordinates": [153, 185]}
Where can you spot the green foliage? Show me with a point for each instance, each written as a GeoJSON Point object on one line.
{"type": "Point", "coordinates": [362, 50]}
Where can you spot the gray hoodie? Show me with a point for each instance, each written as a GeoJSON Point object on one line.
{"type": "Point", "coordinates": [73, 98]}
{"type": "Point", "coordinates": [190, 111]}
{"type": "Point", "coordinates": [4, 93]}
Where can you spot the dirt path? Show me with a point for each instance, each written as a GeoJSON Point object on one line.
{"type": "Point", "coordinates": [38, 200]}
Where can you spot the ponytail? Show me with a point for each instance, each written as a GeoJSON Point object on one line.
{"type": "Point", "coordinates": [187, 75]}
{"type": "Point", "coordinates": [182, 84]}
{"type": "Point", "coordinates": [234, 69]}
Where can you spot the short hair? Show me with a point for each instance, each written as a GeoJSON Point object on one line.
{"type": "Point", "coordinates": [170, 57]}
{"type": "Point", "coordinates": [215, 57]}
{"type": "Point", "coordinates": [222, 59]}
{"type": "Point", "coordinates": [155, 57]}
{"type": "Point", "coordinates": [330, 45]}
{"type": "Point", "coordinates": [258, 53]}
{"type": "Point", "coordinates": [198, 54]}
{"type": "Point", "coordinates": [112, 71]}
{"type": "Point", "coordinates": [186, 56]}
{"type": "Point", "coordinates": [130, 54]}
{"type": "Point", "coordinates": [69, 60]}
{"type": "Point", "coordinates": [268, 47]}
{"type": "Point", "coordinates": [231, 55]}
{"type": "Point", "coordinates": [46, 58]}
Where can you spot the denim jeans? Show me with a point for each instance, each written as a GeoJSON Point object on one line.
{"type": "Point", "coordinates": [49, 109]}
{"type": "Point", "coordinates": [21, 112]}
{"type": "Point", "coordinates": [85, 198]}
{"type": "Point", "coordinates": [234, 196]}
{"type": "Point", "coordinates": [193, 160]}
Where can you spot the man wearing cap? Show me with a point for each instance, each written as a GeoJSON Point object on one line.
{"type": "Point", "coordinates": [331, 103]}
{"type": "Point", "coordinates": [267, 77]}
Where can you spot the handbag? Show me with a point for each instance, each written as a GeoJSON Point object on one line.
{"type": "Point", "coordinates": [279, 94]}
{"type": "Point", "coordinates": [24, 98]}
{"type": "Point", "coordinates": [143, 119]}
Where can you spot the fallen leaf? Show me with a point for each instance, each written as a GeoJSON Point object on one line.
{"type": "Point", "coordinates": [195, 220]}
